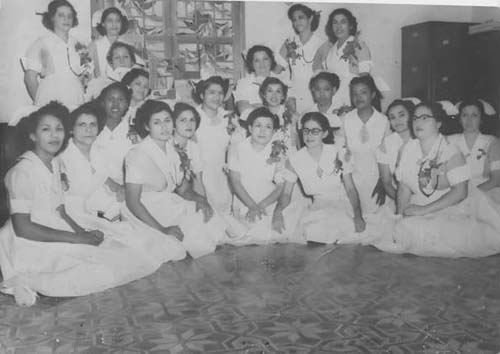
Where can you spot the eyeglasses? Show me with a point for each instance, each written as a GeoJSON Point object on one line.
{"type": "Point", "coordinates": [314, 131]}
{"type": "Point", "coordinates": [423, 117]}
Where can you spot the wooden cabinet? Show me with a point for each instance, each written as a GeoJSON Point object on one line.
{"type": "Point", "coordinates": [432, 62]}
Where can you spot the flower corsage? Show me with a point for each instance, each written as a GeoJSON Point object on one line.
{"type": "Point", "coordinates": [428, 176]}
{"type": "Point", "coordinates": [349, 52]}
{"type": "Point", "coordinates": [278, 152]}
{"type": "Point", "coordinates": [185, 165]}
{"type": "Point", "coordinates": [480, 154]}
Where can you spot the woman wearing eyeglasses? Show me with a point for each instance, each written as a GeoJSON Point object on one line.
{"type": "Point", "coordinates": [437, 219]}
{"type": "Point", "coordinates": [335, 215]}
{"type": "Point", "coordinates": [52, 64]}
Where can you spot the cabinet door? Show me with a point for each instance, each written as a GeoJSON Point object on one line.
{"type": "Point", "coordinates": [415, 80]}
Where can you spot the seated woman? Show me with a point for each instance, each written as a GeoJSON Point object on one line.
{"type": "Point", "coordinates": [88, 186]}
{"type": "Point", "coordinates": [218, 128]}
{"type": "Point", "coordinates": [121, 58]}
{"type": "Point", "coordinates": [253, 166]}
{"type": "Point", "coordinates": [439, 222]}
{"type": "Point", "coordinates": [259, 62]}
{"type": "Point", "coordinates": [482, 152]}
{"type": "Point", "coordinates": [137, 81]}
{"type": "Point", "coordinates": [273, 93]}
{"type": "Point", "coordinates": [115, 138]}
{"type": "Point", "coordinates": [335, 215]}
{"type": "Point", "coordinates": [44, 250]}
{"type": "Point", "coordinates": [399, 113]}
{"type": "Point", "coordinates": [152, 178]}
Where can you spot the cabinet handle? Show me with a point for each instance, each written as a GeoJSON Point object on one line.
{"type": "Point", "coordinates": [445, 42]}
{"type": "Point", "coordinates": [444, 79]}
{"type": "Point", "coordinates": [415, 34]}
{"type": "Point", "coordinates": [414, 69]}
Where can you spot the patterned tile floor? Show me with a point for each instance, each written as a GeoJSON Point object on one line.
{"type": "Point", "coordinates": [275, 299]}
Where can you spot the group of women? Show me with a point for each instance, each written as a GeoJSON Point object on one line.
{"type": "Point", "coordinates": [109, 191]}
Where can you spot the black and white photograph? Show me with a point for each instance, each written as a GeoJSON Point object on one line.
{"type": "Point", "coordinates": [274, 177]}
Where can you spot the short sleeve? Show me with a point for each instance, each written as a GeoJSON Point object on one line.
{"type": "Point", "coordinates": [135, 167]}
{"type": "Point", "coordinates": [365, 63]}
{"type": "Point", "coordinates": [346, 163]}
{"type": "Point", "coordinates": [234, 162]}
{"type": "Point", "coordinates": [382, 155]}
{"type": "Point", "coordinates": [458, 175]}
{"type": "Point", "coordinates": [240, 91]}
{"type": "Point", "coordinates": [19, 183]}
{"type": "Point", "coordinates": [33, 60]}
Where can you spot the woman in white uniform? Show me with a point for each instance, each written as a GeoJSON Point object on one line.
{"type": "Point", "coordinates": [42, 249]}
{"type": "Point", "coordinates": [155, 193]}
{"type": "Point", "coordinates": [400, 113]}
{"type": "Point", "coordinates": [298, 51]}
{"type": "Point", "coordinates": [365, 129]}
{"type": "Point", "coordinates": [218, 129]}
{"type": "Point", "coordinates": [259, 62]}
{"type": "Point", "coordinates": [52, 64]}
{"type": "Point", "coordinates": [343, 54]}
{"type": "Point", "coordinates": [439, 221]}
{"type": "Point", "coordinates": [113, 24]}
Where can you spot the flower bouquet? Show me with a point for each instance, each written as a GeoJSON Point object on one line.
{"type": "Point", "coordinates": [185, 165]}
{"type": "Point", "coordinates": [278, 152]}
{"type": "Point", "coordinates": [349, 52]}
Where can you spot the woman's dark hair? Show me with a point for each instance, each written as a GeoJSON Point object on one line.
{"type": "Point", "coordinates": [145, 112]}
{"type": "Point", "coordinates": [115, 86]}
{"type": "Point", "coordinates": [367, 80]}
{"type": "Point", "coordinates": [332, 78]}
{"type": "Point", "coordinates": [117, 44]}
{"type": "Point", "coordinates": [112, 10]}
{"type": "Point", "coordinates": [485, 125]}
{"type": "Point", "coordinates": [91, 108]}
{"type": "Point", "coordinates": [181, 107]}
{"type": "Point", "coordinates": [273, 81]}
{"type": "Point", "coordinates": [437, 111]}
{"type": "Point", "coordinates": [263, 112]}
{"type": "Point", "coordinates": [203, 85]}
{"type": "Point", "coordinates": [322, 121]}
{"type": "Point", "coordinates": [51, 11]}
{"type": "Point", "coordinates": [251, 54]}
{"type": "Point", "coordinates": [29, 124]}
{"type": "Point", "coordinates": [133, 74]}
{"type": "Point", "coordinates": [308, 12]}
{"type": "Point", "coordinates": [353, 24]}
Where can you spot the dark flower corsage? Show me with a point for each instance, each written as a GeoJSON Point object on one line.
{"type": "Point", "coordinates": [278, 152]}
{"type": "Point", "coordinates": [231, 125]}
{"type": "Point", "coordinates": [64, 182]}
{"type": "Point", "coordinates": [185, 165]}
{"type": "Point", "coordinates": [291, 50]}
{"type": "Point", "coordinates": [480, 154]}
{"type": "Point", "coordinates": [350, 48]}
{"type": "Point", "coordinates": [338, 165]}
{"type": "Point", "coordinates": [428, 176]}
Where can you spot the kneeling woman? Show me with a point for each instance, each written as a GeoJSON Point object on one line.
{"type": "Point", "coordinates": [255, 166]}
{"type": "Point", "coordinates": [152, 179]}
{"type": "Point", "coordinates": [335, 215]}
{"type": "Point", "coordinates": [439, 222]}
{"type": "Point", "coordinates": [41, 248]}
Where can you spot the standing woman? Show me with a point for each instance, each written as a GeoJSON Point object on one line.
{"type": "Point", "coordinates": [399, 113]}
{"type": "Point", "coordinates": [218, 128]}
{"type": "Point", "coordinates": [343, 54]}
{"type": "Point", "coordinates": [365, 129]}
{"type": "Point", "coordinates": [298, 51]}
{"type": "Point", "coordinates": [481, 151]}
{"type": "Point", "coordinates": [113, 24]}
{"type": "Point", "coordinates": [439, 221]}
{"type": "Point", "coordinates": [52, 64]}
{"type": "Point", "coordinates": [259, 62]}
{"type": "Point", "coordinates": [42, 249]}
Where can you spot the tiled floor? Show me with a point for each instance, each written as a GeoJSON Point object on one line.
{"type": "Point", "coordinates": [276, 299]}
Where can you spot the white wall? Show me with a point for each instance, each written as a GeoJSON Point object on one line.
{"type": "Point", "coordinates": [19, 28]}
{"type": "Point", "coordinates": [380, 26]}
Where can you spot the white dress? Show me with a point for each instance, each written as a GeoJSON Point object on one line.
{"type": "Point", "coordinates": [86, 179]}
{"type": "Point", "coordinates": [113, 146]}
{"type": "Point", "coordinates": [336, 64]}
{"type": "Point", "coordinates": [159, 174]}
{"type": "Point", "coordinates": [330, 217]}
{"type": "Point", "coordinates": [468, 229]}
{"type": "Point", "coordinates": [59, 268]}
{"type": "Point", "coordinates": [363, 140]}
{"type": "Point", "coordinates": [58, 64]}
{"type": "Point", "coordinates": [214, 140]}
{"type": "Point", "coordinates": [100, 48]}
{"type": "Point", "coordinates": [302, 70]}
{"type": "Point", "coordinates": [258, 177]}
